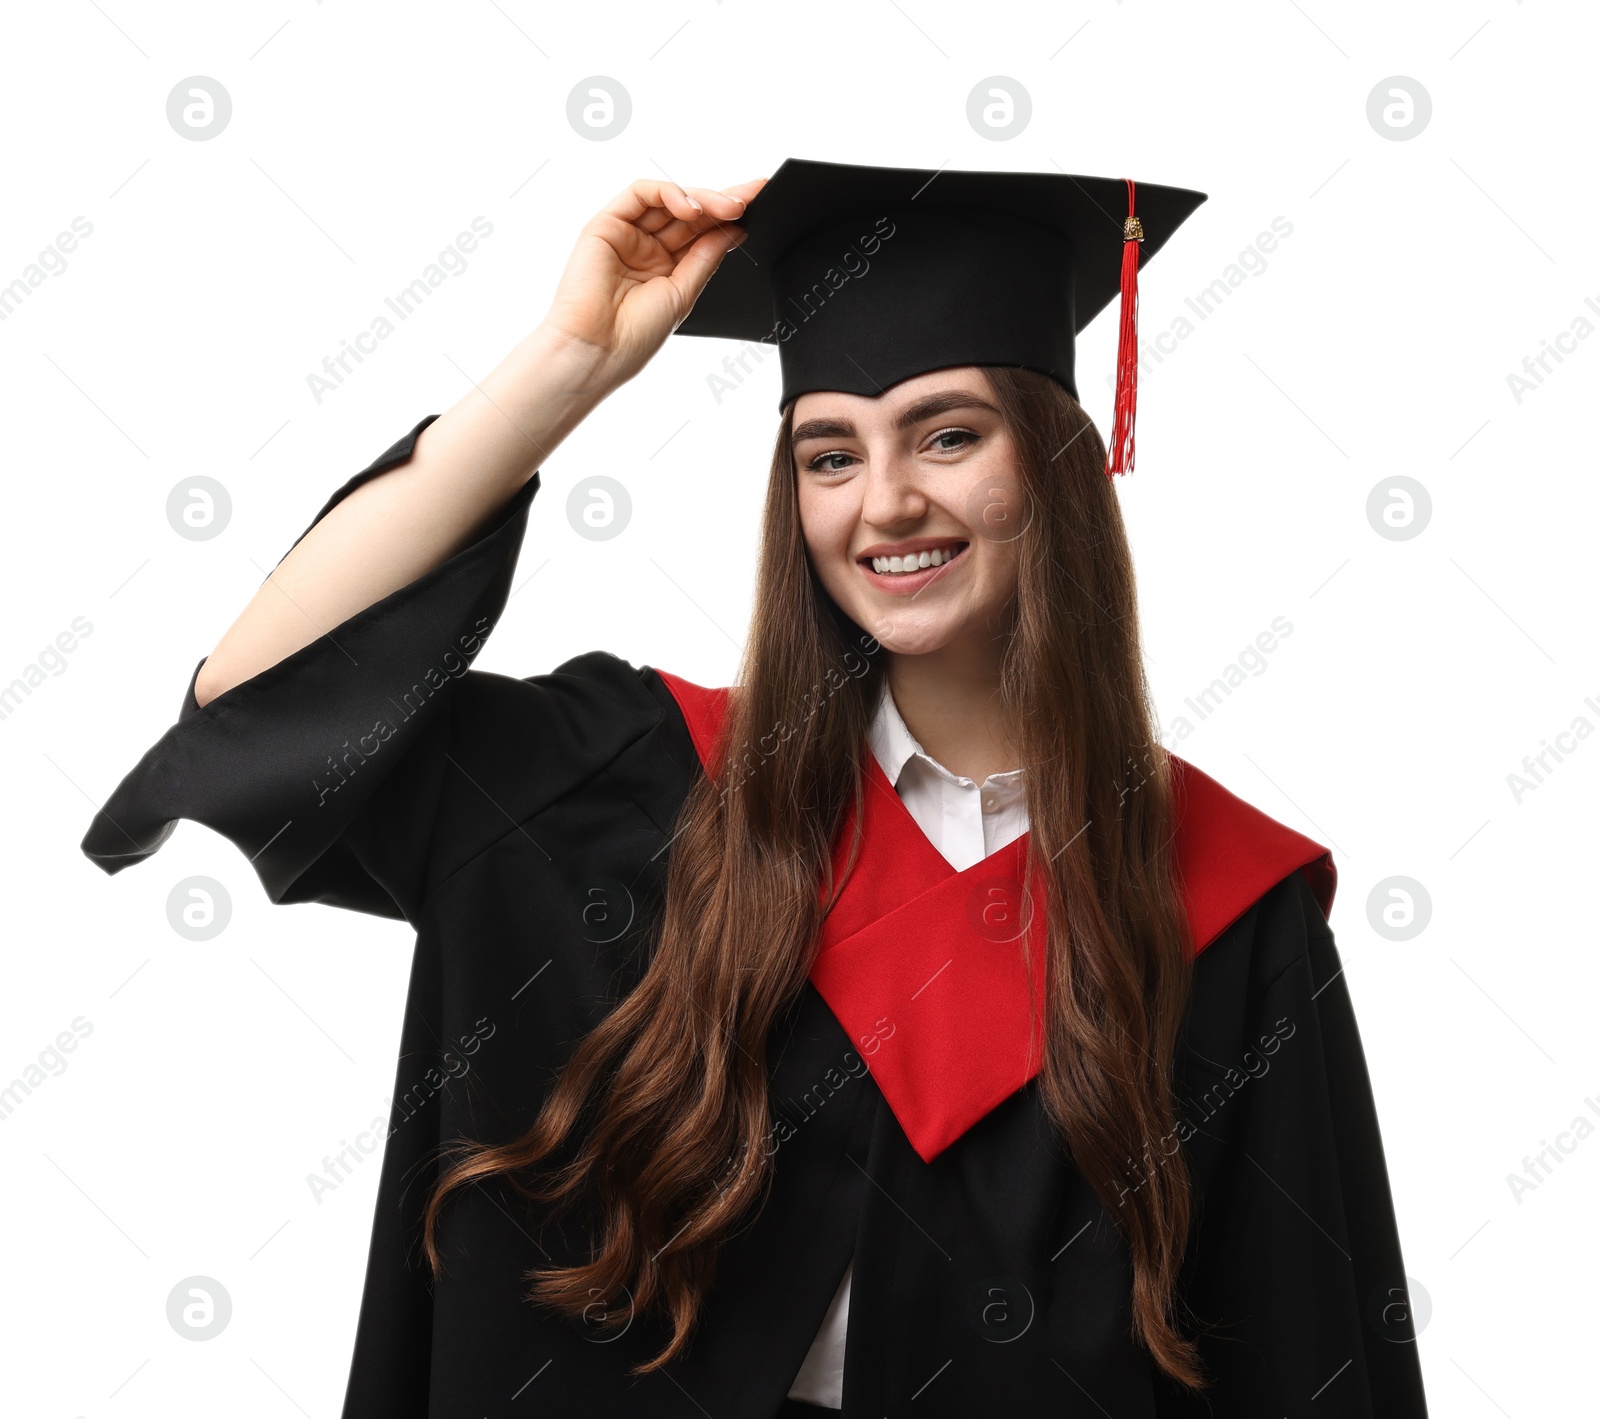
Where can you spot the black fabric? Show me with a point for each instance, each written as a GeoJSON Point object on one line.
{"type": "Point", "coordinates": [521, 827]}
{"type": "Point", "coordinates": [863, 276]}
{"type": "Point", "coordinates": [942, 289]}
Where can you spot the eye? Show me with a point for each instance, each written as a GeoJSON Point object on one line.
{"type": "Point", "coordinates": [823, 463]}
{"type": "Point", "coordinates": [952, 440]}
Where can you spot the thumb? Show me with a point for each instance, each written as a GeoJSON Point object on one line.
{"type": "Point", "coordinates": [699, 262]}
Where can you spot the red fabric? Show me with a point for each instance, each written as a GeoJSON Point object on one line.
{"type": "Point", "coordinates": [924, 967]}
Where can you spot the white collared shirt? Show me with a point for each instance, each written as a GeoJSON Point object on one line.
{"type": "Point", "coordinates": [967, 822]}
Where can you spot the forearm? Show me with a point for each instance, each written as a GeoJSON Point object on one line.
{"type": "Point", "coordinates": [466, 465]}
{"type": "Point", "coordinates": [634, 274]}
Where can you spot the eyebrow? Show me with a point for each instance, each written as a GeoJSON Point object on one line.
{"type": "Point", "coordinates": [928, 408]}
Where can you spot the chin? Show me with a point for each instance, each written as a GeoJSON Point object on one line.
{"type": "Point", "coordinates": [909, 639]}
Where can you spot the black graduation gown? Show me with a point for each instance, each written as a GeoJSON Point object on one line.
{"type": "Point", "coordinates": [519, 826]}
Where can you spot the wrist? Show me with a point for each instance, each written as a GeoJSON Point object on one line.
{"type": "Point", "coordinates": [572, 369]}
{"type": "Point", "coordinates": [548, 384]}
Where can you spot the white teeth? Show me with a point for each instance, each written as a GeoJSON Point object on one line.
{"type": "Point", "coordinates": [914, 561]}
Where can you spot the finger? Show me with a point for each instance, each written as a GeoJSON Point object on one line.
{"type": "Point", "coordinates": [696, 265]}
{"type": "Point", "coordinates": [679, 203]}
{"type": "Point", "coordinates": [716, 207]}
{"type": "Point", "coordinates": [726, 206]}
{"type": "Point", "coordinates": [677, 235]}
{"type": "Point", "coordinates": [638, 251]}
{"type": "Point", "coordinates": [647, 192]}
{"type": "Point", "coordinates": [745, 190]}
{"type": "Point", "coordinates": [723, 206]}
{"type": "Point", "coordinates": [655, 219]}
{"type": "Point", "coordinates": [673, 234]}
{"type": "Point", "coordinates": [667, 231]}
{"type": "Point", "coordinates": [654, 252]}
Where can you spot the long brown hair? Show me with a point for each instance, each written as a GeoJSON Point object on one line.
{"type": "Point", "coordinates": [663, 1107]}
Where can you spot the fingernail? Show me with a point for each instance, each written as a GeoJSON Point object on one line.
{"type": "Point", "coordinates": [694, 204]}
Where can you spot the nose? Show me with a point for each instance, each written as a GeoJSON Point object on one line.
{"type": "Point", "coordinates": [893, 494]}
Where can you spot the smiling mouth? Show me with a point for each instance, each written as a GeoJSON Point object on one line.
{"type": "Point", "coordinates": [914, 562]}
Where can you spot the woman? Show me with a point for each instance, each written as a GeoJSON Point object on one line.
{"type": "Point", "coordinates": [903, 1031]}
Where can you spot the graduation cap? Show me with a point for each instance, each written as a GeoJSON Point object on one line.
{"type": "Point", "coordinates": [865, 276]}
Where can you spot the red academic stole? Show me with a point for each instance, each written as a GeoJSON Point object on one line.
{"type": "Point", "coordinates": [922, 965]}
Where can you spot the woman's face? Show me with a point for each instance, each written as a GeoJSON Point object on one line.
{"type": "Point", "coordinates": [911, 478]}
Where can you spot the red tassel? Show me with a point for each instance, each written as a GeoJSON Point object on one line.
{"type": "Point", "coordinates": [1119, 457]}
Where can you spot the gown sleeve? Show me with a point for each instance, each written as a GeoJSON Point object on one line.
{"type": "Point", "coordinates": [325, 769]}
{"type": "Point", "coordinates": [1294, 1275]}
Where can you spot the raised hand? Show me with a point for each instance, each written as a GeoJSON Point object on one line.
{"type": "Point", "coordinates": [633, 276]}
{"type": "Point", "coordinates": [638, 267]}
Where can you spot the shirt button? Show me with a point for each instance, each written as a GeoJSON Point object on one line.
{"type": "Point", "coordinates": [991, 802]}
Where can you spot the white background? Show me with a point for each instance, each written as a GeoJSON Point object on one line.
{"type": "Point", "coordinates": [1377, 342]}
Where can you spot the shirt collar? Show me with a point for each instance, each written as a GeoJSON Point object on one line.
{"type": "Point", "coordinates": [894, 747]}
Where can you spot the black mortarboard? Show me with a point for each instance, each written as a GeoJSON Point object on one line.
{"type": "Point", "coordinates": [865, 276]}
